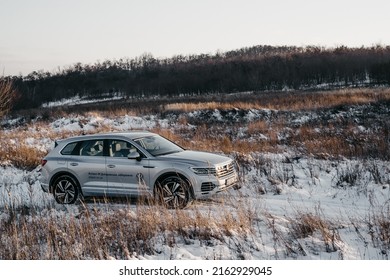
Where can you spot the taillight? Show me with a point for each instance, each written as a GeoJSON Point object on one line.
{"type": "Point", "coordinates": [43, 162]}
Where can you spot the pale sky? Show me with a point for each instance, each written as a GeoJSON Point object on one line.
{"type": "Point", "coordinates": [48, 34]}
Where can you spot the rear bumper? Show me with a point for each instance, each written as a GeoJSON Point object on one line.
{"type": "Point", "coordinates": [44, 180]}
{"type": "Point", "coordinates": [45, 187]}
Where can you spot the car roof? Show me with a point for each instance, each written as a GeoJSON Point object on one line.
{"type": "Point", "coordinates": [129, 135]}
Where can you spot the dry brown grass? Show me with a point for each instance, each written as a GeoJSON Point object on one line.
{"type": "Point", "coordinates": [333, 138]}
{"type": "Point", "coordinates": [294, 101]}
{"type": "Point", "coordinates": [379, 228]}
{"type": "Point", "coordinates": [120, 234]}
{"type": "Point", "coordinates": [21, 156]}
{"type": "Point", "coordinates": [340, 140]}
{"type": "Point", "coordinates": [259, 126]}
{"type": "Point", "coordinates": [15, 149]}
{"type": "Point", "coordinates": [320, 140]}
{"type": "Point", "coordinates": [7, 96]}
{"type": "Point", "coordinates": [309, 225]}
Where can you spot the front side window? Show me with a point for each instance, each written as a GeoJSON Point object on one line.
{"type": "Point", "coordinates": [120, 148]}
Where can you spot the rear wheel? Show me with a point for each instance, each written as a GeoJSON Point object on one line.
{"type": "Point", "coordinates": [173, 192]}
{"type": "Point", "coordinates": [66, 190]}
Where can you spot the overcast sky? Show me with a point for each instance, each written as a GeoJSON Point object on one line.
{"type": "Point", "coordinates": [48, 34]}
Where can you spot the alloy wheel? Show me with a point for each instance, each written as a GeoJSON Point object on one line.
{"type": "Point", "coordinates": [65, 190]}
{"type": "Point", "coordinates": [173, 192]}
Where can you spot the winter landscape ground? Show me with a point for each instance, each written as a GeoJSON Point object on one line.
{"type": "Point", "coordinates": [314, 168]}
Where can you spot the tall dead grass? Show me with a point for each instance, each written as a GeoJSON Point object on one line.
{"type": "Point", "coordinates": [22, 147]}
{"type": "Point", "coordinates": [291, 101]}
{"type": "Point", "coordinates": [121, 234]}
{"type": "Point", "coordinates": [7, 95]}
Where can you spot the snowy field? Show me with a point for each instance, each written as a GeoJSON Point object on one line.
{"type": "Point", "coordinates": [291, 207]}
{"type": "Point", "coordinates": [276, 208]}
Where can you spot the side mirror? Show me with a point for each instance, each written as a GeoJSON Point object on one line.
{"type": "Point", "coordinates": [134, 155]}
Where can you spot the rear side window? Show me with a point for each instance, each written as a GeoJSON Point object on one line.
{"type": "Point", "coordinates": [92, 148]}
{"type": "Point", "coordinates": [68, 150]}
{"type": "Point", "coordinates": [84, 148]}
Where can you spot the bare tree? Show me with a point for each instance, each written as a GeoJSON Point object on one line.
{"type": "Point", "coordinates": [7, 96]}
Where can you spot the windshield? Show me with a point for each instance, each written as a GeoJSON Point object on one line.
{"type": "Point", "coordinates": [158, 146]}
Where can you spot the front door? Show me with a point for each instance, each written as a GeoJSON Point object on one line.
{"type": "Point", "coordinates": [125, 176]}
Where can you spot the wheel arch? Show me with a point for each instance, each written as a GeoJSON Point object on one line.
{"type": "Point", "coordinates": [178, 174]}
{"type": "Point", "coordinates": [61, 173]}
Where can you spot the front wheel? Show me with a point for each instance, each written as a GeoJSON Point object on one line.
{"type": "Point", "coordinates": [66, 190]}
{"type": "Point", "coordinates": [173, 192]}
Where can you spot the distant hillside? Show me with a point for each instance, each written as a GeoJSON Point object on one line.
{"type": "Point", "coordinates": [255, 68]}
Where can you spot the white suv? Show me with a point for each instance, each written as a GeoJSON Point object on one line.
{"type": "Point", "coordinates": [128, 164]}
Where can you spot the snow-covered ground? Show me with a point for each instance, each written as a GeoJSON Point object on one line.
{"type": "Point", "coordinates": [299, 207]}
{"type": "Point", "coordinates": [77, 100]}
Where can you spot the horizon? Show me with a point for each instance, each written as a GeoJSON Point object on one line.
{"type": "Point", "coordinates": [60, 68]}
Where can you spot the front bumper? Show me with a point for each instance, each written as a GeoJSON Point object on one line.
{"type": "Point", "coordinates": [212, 185]}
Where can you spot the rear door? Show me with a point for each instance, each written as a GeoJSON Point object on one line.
{"type": "Point", "coordinates": [89, 165]}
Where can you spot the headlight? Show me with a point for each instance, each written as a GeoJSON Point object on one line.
{"type": "Point", "coordinates": [204, 170]}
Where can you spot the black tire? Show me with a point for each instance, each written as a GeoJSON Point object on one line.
{"type": "Point", "coordinates": [173, 192]}
{"type": "Point", "coordinates": [66, 190]}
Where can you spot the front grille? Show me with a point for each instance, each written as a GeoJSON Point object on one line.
{"type": "Point", "coordinates": [225, 170]}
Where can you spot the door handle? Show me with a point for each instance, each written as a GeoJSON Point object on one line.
{"type": "Point", "coordinates": [111, 166]}
{"type": "Point", "coordinates": [74, 164]}
{"type": "Point", "coordinates": [147, 166]}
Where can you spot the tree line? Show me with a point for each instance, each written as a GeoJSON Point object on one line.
{"type": "Point", "coordinates": [256, 68]}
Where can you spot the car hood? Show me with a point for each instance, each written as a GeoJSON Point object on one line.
{"type": "Point", "coordinates": [197, 158]}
